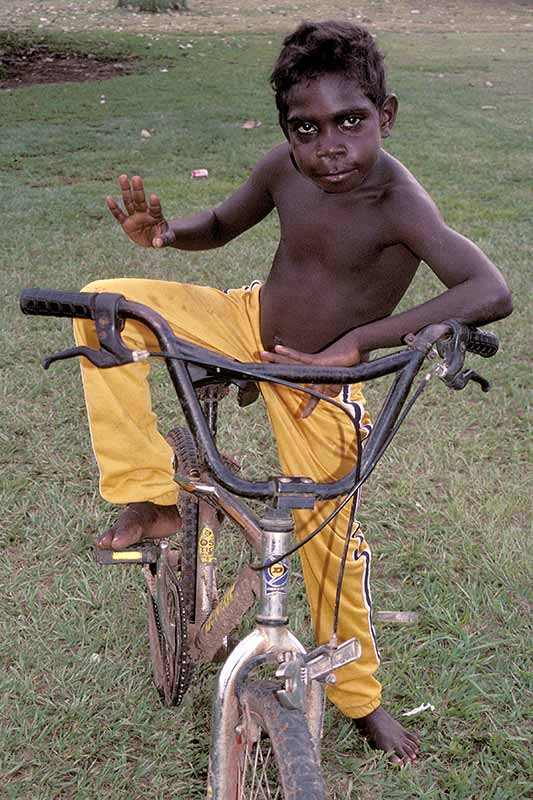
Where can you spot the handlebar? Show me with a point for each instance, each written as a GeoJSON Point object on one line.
{"type": "Point", "coordinates": [190, 366]}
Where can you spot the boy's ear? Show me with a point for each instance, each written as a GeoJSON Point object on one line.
{"type": "Point", "coordinates": [387, 114]}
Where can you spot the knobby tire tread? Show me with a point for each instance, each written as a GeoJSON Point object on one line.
{"type": "Point", "coordinates": [295, 753]}
{"type": "Point", "coordinates": [171, 665]}
{"type": "Point", "coordinates": [186, 455]}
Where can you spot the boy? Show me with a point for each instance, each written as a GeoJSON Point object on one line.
{"type": "Point", "coordinates": [355, 225]}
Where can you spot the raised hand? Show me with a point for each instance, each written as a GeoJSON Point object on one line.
{"type": "Point", "coordinates": [334, 356]}
{"type": "Point", "coordinates": [142, 222]}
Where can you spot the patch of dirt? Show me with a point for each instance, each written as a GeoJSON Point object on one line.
{"type": "Point", "coordinates": [219, 16]}
{"type": "Point", "coordinates": [40, 64]}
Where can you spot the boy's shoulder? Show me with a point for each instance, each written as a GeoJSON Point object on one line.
{"type": "Point", "coordinates": [395, 178]}
{"type": "Point", "coordinates": [274, 165]}
{"type": "Point", "coordinates": [403, 194]}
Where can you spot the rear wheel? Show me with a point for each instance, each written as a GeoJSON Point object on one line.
{"type": "Point", "coordinates": [171, 597]}
{"type": "Point", "coordinates": [273, 755]}
{"type": "Point", "coordinates": [186, 463]}
{"type": "Point", "coordinates": [167, 632]}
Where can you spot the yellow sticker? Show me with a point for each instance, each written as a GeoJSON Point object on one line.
{"type": "Point", "coordinates": [216, 612]}
{"type": "Point", "coordinates": [128, 555]}
{"type": "Point", "coordinates": [206, 545]}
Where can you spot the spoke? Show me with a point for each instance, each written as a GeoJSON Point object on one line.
{"type": "Point", "coordinates": [259, 778]}
{"type": "Point", "coordinates": [264, 774]}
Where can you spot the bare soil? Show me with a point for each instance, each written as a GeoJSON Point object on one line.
{"type": "Point", "coordinates": [233, 16]}
{"type": "Point", "coordinates": [38, 63]}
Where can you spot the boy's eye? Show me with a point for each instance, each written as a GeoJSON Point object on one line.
{"type": "Point", "coordinates": [306, 128]}
{"type": "Point", "coordinates": [351, 121]}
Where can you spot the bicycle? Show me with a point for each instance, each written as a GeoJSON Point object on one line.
{"type": "Point", "coordinates": [265, 739]}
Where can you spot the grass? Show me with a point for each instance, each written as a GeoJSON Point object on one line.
{"type": "Point", "coordinates": [446, 513]}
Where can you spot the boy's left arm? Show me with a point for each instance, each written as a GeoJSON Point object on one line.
{"type": "Point", "coordinates": [476, 291]}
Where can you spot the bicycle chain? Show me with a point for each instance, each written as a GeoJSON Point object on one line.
{"type": "Point", "coordinates": [185, 671]}
{"type": "Point", "coordinates": [184, 661]}
{"type": "Point", "coordinates": [161, 637]}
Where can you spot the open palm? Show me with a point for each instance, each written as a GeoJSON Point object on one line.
{"type": "Point", "coordinates": [142, 221]}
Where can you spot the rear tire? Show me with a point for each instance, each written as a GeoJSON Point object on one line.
{"type": "Point", "coordinates": [186, 462]}
{"type": "Point", "coordinates": [171, 599]}
{"type": "Point", "coordinates": [167, 632]}
{"type": "Point", "coordinates": [273, 754]}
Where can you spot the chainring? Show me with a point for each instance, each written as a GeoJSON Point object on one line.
{"type": "Point", "coordinates": [167, 630]}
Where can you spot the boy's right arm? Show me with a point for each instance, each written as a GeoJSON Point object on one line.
{"type": "Point", "coordinates": [143, 221]}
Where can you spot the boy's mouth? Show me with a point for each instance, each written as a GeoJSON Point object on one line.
{"type": "Point", "coordinates": [336, 176]}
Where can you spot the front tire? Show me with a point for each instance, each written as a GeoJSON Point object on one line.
{"type": "Point", "coordinates": [273, 754]}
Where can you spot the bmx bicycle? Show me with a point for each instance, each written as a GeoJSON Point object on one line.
{"type": "Point", "coordinates": [268, 702]}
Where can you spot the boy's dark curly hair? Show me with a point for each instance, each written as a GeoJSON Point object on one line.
{"type": "Point", "coordinates": [315, 48]}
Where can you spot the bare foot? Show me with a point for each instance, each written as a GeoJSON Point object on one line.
{"type": "Point", "coordinates": [140, 521]}
{"type": "Point", "coordinates": [385, 733]}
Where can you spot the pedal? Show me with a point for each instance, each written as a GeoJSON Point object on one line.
{"type": "Point", "coordinates": [135, 554]}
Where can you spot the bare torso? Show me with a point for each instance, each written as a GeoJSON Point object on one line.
{"type": "Point", "coordinates": [345, 258]}
{"type": "Point", "coordinates": [334, 268]}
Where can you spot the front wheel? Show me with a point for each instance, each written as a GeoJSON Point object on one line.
{"type": "Point", "coordinates": [273, 754]}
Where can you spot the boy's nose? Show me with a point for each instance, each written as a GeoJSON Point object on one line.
{"type": "Point", "coordinates": [329, 147]}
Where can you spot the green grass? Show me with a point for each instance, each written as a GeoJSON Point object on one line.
{"type": "Point", "coordinates": [446, 513]}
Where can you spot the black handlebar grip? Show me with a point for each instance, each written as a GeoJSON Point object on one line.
{"type": "Point", "coordinates": [482, 343]}
{"type": "Point", "coordinates": [53, 303]}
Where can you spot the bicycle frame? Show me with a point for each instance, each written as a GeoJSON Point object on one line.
{"type": "Point", "coordinates": [271, 640]}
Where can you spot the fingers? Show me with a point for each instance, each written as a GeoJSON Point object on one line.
{"type": "Point", "coordinates": [291, 355]}
{"type": "Point", "coordinates": [308, 408]}
{"type": "Point", "coordinates": [286, 355]}
{"type": "Point", "coordinates": [116, 210]}
{"type": "Point", "coordinates": [276, 358]}
{"type": "Point", "coordinates": [155, 208]}
{"type": "Point", "coordinates": [133, 196]}
{"type": "Point", "coordinates": [139, 198]}
{"type": "Point", "coordinates": [330, 390]}
{"type": "Point", "coordinates": [127, 194]}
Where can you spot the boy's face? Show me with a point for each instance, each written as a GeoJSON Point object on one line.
{"type": "Point", "coordinates": [335, 131]}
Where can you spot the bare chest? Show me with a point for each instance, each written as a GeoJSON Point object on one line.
{"type": "Point", "coordinates": [337, 230]}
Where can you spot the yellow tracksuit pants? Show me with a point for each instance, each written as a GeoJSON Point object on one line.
{"type": "Point", "coordinates": [135, 461]}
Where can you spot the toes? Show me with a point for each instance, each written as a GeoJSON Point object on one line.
{"type": "Point", "coordinates": [401, 758]}
{"type": "Point", "coordinates": [395, 759]}
{"type": "Point", "coordinates": [409, 751]}
{"type": "Point", "coordinates": [125, 538]}
{"type": "Point", "coordinates": [103, 542]}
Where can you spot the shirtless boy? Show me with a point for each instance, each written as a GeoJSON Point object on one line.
{"type": "Point", "coordinates": [355, 225]}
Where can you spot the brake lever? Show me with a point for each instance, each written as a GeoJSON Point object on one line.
{"type": "Point", "coordinates": [113, 352]}
{"type": "Point", "coordinates": [460, 380]}
{"type": "Point", "coordinates": [100, 358]}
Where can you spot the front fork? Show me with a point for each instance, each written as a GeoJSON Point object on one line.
{"type": "Point", "coordinates": [271, 637]}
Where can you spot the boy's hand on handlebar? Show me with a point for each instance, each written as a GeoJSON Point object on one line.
{"type": "Point", "coordinates": [332, 356]}
{"type": "Point", "coordinates": [142, 222]}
